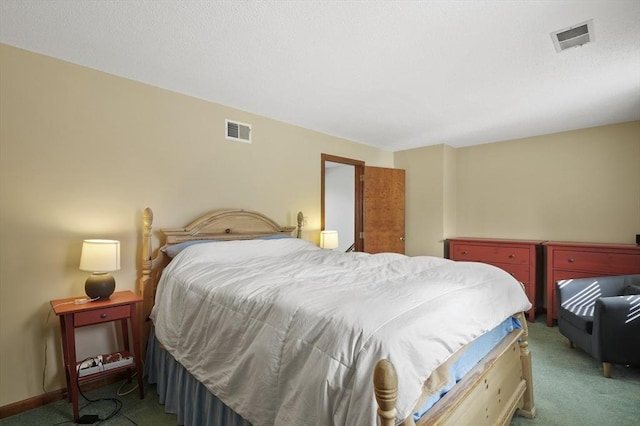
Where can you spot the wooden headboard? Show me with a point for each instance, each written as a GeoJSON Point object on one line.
{"type": "Point", "coordinates": [218, 225]}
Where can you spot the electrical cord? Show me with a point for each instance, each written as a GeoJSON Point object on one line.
{"type": "Point", "coordinates": [117, 403]}
{"type": "Point", "coordinates": [44, 369]}
{"type": "Point", "coordinates": [46, 346]}
{"type": "Point", "coordinates": [119, 391]}
{"type": "Point", "coordinates": [115, 412]}
{"type": "Point", "coordinates": [63, 423]}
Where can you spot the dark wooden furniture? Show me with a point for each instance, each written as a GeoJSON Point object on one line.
{"type": "Point", "coordinates": [520, 258]}
{"type": "Point", "coordinates": [566, 260]}
{"type": "Point", "coordinates": [122, 306]}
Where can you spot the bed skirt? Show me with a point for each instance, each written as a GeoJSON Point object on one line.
{"type": "Point", "coordinates": [194, 404]}
{"type": "Point", "coordinates": [183, 395]}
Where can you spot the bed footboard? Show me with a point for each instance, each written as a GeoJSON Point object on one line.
{"type": "Point", "coordinates": [499, 386]}
{"type": "Point", "coordinates": [385, 386]}
{"type": "Point", "coordinates": [528, 408]}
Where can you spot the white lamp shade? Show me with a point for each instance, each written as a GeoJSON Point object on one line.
{"type": "Point", "coordinates": [329, 239]}
{"type": "Point", "coordinates": [100, 255]}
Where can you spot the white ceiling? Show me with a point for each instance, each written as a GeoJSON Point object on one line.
{"type": "Point", "coordinates": [393, 74]}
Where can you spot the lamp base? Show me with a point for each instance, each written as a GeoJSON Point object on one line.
{"type": "Point", "coordinates": [100, 286]}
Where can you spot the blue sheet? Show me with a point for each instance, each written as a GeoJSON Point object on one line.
{"type": "Point", "coordinates": [477, 350]}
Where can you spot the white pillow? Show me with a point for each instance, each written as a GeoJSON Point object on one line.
{"type": "Point", "coordinates": [238, 250]}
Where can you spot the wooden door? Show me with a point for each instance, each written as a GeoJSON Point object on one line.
{"type": "Point", "coordinates": [383, 210]}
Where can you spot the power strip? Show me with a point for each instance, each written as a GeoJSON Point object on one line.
{"type": "Point", "coordinates": [90, 370]}
{"type": "Point", "coordinates": [120, 363]}
{"type": "Point", "coordinates": [102, 363]}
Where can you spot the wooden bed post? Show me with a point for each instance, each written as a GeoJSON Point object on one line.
{"type": "Point", "coordinates": [146, 281]}
{"type": "Point", "coordinates": [385, 387]}
{"type": "Point", "coordinates": [528, 408]}
{"type": "Point", "coordinates": [300, 222]}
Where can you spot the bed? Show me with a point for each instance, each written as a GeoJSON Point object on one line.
{"type": "Point", "coordinates": [247, 325]}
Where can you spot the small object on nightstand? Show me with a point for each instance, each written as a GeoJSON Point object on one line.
{"type": "Point", "coordinates": [120, 307]}
{"type": "Point", "coordinates": [100, 257]}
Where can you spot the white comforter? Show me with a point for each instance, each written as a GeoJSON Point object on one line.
{"type": "Point", "coordinates": [288, 334]}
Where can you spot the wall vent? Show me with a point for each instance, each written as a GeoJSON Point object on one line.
{"type": "Point", "coordinates": [576, 35]}
{"type": "Point", "coordinates": [236, 131]}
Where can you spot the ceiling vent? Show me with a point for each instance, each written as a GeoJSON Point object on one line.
{"type": "Point", "coordinates": [238, 131]}
{"type": "Point", "coordinates": [576, 35]}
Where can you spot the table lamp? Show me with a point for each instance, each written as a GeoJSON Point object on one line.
{"type": "Point", "coordinates": [329, 239]}
{"type": "Point", "coordinates": [100, 257]}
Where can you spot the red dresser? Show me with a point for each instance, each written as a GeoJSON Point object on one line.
{"type": "Point", "coordinates": [583, 260]}
{"type": "Point", "coordinates": [520, 258]}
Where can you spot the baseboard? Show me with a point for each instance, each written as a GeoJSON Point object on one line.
{"type": "Point", "coordinates": [36, 401]}
{"type": "Point", "coordinates": [53, 396]}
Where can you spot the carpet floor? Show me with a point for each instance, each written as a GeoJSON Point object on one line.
{"type": "Point", "coordinates": [569, 390]}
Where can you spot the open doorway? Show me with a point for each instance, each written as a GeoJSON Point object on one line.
{"type": "Point", "coordinates": [376, 210]}
{"type": "Point", "coordinates": [342, 200]}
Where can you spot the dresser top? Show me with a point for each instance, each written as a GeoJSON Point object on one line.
{"type": "Point", "coordinates": [495, 240]}
{"type": "Point", "coordinates": [573, 244]}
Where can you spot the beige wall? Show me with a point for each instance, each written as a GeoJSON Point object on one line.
{"type": "Point", "coordinates": [581, 185]}
{"type": "Point", "coordinates": [450, 201]}
{"type": "Point", "coordinates": [82, 153]}
{"type": "Point", "coordinates": [424, 184]}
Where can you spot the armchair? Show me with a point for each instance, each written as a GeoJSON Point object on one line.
{"type": "Point", "coordinates": [602, 317]}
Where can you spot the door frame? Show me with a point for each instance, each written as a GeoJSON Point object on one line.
{"type": "Point", "coordinates": [358, 196]}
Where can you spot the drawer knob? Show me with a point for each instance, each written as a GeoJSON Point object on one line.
{"type": "Point", "coordinates": [465, 252]}
{"type": "Point", "coordinates": [103, 315]}
{"type": "Point", "coordinates": [511, 256]}
{"type": "Point", "coordinates": [571, 260]}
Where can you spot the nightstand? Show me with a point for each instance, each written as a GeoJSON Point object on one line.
{"type": "Point", "coordinates": [121, 306]}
